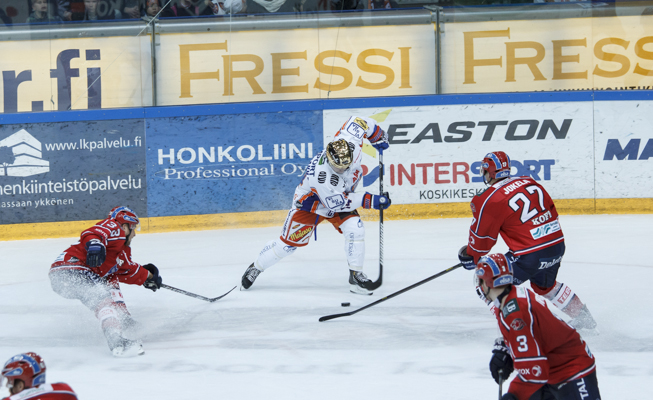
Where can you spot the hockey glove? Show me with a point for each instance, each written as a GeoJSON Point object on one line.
{"type": "Point", "coordinates": [96, 253]}
{"type": "Point", "coordinates": [381, 145]}
{"type": "Point", "coordinates": [466, 260]}
{"type": "Point", "coordinates": [376, 202]}
{"type": "Point", "coordinates": [501, 362]}
{"type": "Point", "coordinates": [155, 281]}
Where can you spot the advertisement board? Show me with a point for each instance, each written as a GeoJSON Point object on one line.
{"type": "Point", "coordinates": [71, 171]}
{"type": "Point", "coordinates": [246, 66]}
{"type": "Point", "coordinates": [436, 151]}
{"type": "Point", "coordinates": [75, 74]}
{"type": "Point", "coordinates": [610, 53]}
{"type": "Point", "coordinates": [228, 163]}
{"type": "Point", "coordinates": [624, 149]}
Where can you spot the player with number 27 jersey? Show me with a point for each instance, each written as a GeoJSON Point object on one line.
{"type": "Point", "coordinates": [521, 211]}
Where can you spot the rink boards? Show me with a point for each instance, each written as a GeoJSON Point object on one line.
{"type": "Point", "coordinates": [228, 166]}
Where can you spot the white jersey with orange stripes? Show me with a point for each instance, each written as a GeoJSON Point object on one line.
{"type": "Point", "coordinates": [325, 192]}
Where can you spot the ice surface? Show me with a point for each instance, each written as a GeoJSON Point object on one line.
{"type": "Point", "coordinates": [433, 342]}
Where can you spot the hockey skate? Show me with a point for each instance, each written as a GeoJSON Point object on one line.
{"type": "Point", "coordinates": [249, 277]}
{"type": "Point", "coordinates": [128, 348]}
{"type": "Point", "coordinates": [359, 283]}
{"type": "Point", "coordinates": [584, 323]}
{"type": "Point", "coordinates": [121, 346]}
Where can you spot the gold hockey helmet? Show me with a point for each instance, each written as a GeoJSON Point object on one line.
{"type": "Point", "coordinates": [340, 155]}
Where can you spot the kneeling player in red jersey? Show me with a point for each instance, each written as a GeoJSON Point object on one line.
{"type": "Point", "coordinates": [25, 375]}
{"type": "Point", "coordinates": [523, 213]}
{"type": "Point", "coordinates": [327, 193]}
{"type": "Point", "coordinates": [91, 269]}
{"type": "Point", "coordinates": [551, 359]}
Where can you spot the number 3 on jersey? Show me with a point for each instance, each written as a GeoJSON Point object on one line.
{"type": "Point", "coordinates": [526, 212]}
{"type": "Point", "coordinates": [523, 345]}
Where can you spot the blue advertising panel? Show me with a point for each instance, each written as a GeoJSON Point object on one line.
{"type": "Point", "coordinates": [228, 163]}
{"type": "Point", "coordinates": [71, 171]}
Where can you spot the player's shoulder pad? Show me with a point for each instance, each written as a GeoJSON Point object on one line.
{"type": "Point", "coordinates": [62, 386]}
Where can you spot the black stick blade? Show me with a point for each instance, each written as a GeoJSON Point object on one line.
{"type": "Point", "coordinates": [219, 297]}
{"type": "Point", "coordinates": [328, 317]}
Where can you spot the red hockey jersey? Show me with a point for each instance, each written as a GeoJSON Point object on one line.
{"type": "Point", "coordinates": [118, 263]}
{"type": "Point", "coordinates": [544, 348]}
{"type": "Point", "coordinates": [521, 211]}
{"type": "Point", "coordinates": [55, 391]}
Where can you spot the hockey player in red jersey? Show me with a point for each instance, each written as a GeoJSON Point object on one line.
{"type": "Point", "coordinates": [523, 213]}
{"type": "Point", "coordinates": [326, 192]}
{"type": "Point", "coordinates": [91, 271]}
{"type": "Point", "coordinates": [551, 359]}
{"type": "Point", "coordinates": [25, 379]}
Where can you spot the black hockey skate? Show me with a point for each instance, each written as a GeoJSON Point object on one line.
{"type": "Point", "coordinates": [359, 283]}
{"type": "Point", "coordinates": [249, 277]}
{"type": "Point", "coordinates": [584, 322]}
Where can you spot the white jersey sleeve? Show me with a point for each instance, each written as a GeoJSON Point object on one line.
{"type": "Point", "coordinates": [325, 192]}
{"type": "Point", "coordinates": [358, 128]}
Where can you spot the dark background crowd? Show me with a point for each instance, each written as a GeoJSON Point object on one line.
{"type": "Point", "coordinates": [60, 11]}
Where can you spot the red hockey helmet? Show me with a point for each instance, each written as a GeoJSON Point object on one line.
{"type": "Point", "coordinates": [495, 270]}
{"type": "Point", "coordinates": [125, 215]}
{"type": "Point", "coordinates": [497, 164]}
{"type": "Point", "coordinates": [28, 367]}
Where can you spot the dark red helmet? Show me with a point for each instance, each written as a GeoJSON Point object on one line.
{"type": "Point", "coordinates": [28, 367]}
{"type": "Point", "coordinates": [495, 270]}
{"type": "Point", "coordinates": [497, 164]}
{"type": "Point", "coordinates": [125, 215]}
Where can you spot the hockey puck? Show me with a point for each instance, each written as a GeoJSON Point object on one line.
{"type": "Point", "coordinates": [345, 304]}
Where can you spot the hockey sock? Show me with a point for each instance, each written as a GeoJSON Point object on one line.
{"type": "Point", "coordinates": [561, 296]}
{"type": "Point", "coordinates": [354, 233]}
{"type": "Point", "coordinates": [272, 253]}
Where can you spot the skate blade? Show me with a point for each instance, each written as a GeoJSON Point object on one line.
{"type": "Point", "coordinates": [359, 290]}
{"type": "Point", "coordinates": [132, 351]}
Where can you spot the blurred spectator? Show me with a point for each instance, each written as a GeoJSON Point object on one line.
{"type": "Point", "coordinates": [41, 13]}
{"type": "Point", "coordinates": [131, 9]}
{"type": "Point", "coordinates": [153, 7]}
{"type": "Point", "coordinates": [196, 8]}
{"type": "Point", "coordinates": [5, 18]}
{"type": "Point", "coordinates": [220, 7]}
{"type": "Point", "coordinates": [380, 4]}
{"type": "Point", "coordinates": [93, 10]}
{"type": "Point", "coordinates": [341, 5]}
{"type": "Point", "coordinates": [189, 8]}
{"type": "Point", "coordinates": [272, 6]}
{"type": "Point", "coordinates": [63, 7]}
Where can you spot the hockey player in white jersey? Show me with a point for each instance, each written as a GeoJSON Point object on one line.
{"type": "Point", "coordinates": [327, 193]}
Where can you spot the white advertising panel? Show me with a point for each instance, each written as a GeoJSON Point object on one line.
{"type": "Point", "coordinates": [546, 55]}
{"type": "Point", "coordinates": [435, 151]}
{"type": "Point", "coordinates": [624, 149]}
{"type": "Point", "coordinates": [77, 74]}
{"type": "Point", "coordinates": [245, 66]}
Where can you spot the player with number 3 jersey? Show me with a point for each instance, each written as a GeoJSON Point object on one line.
{"type": "Point", "coordinates": [552, 361]}
{"type": "Point", "coordinates": [522, 212]}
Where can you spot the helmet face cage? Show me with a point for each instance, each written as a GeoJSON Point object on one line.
{"type": "Point", "coordinates": [340, 155]}
{"type": "Point", "coordinates": [28, 367]}
{"type": "Point", "coordinates": [125, 215]}
{"type": "Point", "coordinates": [495, 270]}
{"type": "Point", "coordinates": [497, 164]}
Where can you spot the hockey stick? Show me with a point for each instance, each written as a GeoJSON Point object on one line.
{"type": "Point", "coordinates": [500, 384]}
{"type": "Point", "coordinates": [197, 296]}
{"type": "Point", "coordinates": [377, 284]}
{"type": "Point", "coordinates": [388, 297]}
